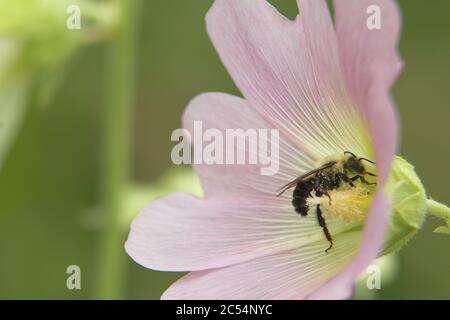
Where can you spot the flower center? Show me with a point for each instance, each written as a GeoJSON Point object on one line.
{"type": "Point", "coordinates": [349, 204]}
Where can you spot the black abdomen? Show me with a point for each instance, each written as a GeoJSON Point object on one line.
{"type": "Point", "coordinates": [301, 192]}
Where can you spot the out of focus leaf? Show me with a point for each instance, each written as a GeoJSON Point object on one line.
{"type": "Point", "coordinates": [13, 99]}
{"type": "Point", "coordinates": [13, 105]}
{"type": "Point", "coordinates": [35, 47]}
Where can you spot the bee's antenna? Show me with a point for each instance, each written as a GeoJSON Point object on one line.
{"type": "Point", "coordinates": [366, 160]}
{"type": "Point", "coordinates": [351, 153]}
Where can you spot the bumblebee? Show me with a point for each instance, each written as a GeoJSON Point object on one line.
{"type": "Point", "coordinates": [325, 178]}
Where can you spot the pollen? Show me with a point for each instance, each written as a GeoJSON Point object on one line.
{"type": "Point", "coordinates": [349, 205]}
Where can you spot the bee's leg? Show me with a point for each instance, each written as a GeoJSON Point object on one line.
{"type": "Point", "coordinates": [345, 178]}
{"type": "Point", "coordinates": [325, 192]}
{"type": "Point", "coordinates": [322, 223]}
{"type": "Point", "coordinates": [363, 180]}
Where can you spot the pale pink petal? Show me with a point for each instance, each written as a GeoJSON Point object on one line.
{"type": "Point", "coordinates": [371, 63]}
{"type": "Point", "coordinates": [223, 113]}
{"type": "Point", "coordinates": [289, 72]}
{"type": "Point", "coordinates": [367, 56]}
{"type": "Point", "coordinates": [287, 275]}
{"type": "Point", "coordinates": [181, 232]}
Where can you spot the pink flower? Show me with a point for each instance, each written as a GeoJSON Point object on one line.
{"type": "Point", "coordinates": [327, 90]}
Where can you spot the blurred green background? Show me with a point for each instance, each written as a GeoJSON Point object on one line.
{"type": "Point", "coordinates": [49, 184]}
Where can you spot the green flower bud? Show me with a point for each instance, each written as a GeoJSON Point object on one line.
{"type": "Point", "coordinates": [409, 205]}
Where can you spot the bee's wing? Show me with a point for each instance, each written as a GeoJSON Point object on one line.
{"type": "Point", "coordinates": [304, 176]}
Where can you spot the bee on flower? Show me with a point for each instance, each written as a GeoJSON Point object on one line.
{"type": "Point", "coordinates": [347, 198]}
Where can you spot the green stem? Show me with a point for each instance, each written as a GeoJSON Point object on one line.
{"type": "Point", "coordinates": [441, 211]}
{"type": "Point", "coordinates": [116, 150]}
{"type": "Point", "coordinates": [438, 209]}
